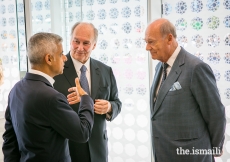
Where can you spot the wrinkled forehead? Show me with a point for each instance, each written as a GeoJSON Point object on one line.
{"type": "Point", "coordinates": [84, 30]}
{"type": "Point", "coordinates": [152, 32]}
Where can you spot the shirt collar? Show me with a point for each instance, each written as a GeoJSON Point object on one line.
{"type": "Point", "coordinates": [49, 78]}
{"type": "Point", "coordinates": [77, 64]}
{"type": "Point", "coordinates": [172, 59]}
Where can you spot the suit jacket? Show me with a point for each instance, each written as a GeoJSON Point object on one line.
{"type": "Point", "coordinates": [103, 86]}
{"type": "Point", "coordinates": [39, 120]}
{"type": "Point", "coordinates": [192, 117]}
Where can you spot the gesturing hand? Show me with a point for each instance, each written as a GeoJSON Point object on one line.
{"type": "Point", "coordinates": [76, 94]}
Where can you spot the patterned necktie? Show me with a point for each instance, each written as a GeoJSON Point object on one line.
{"type": "Point", "coordinates": [83, 79]}
{"type": "Point", "coordinates": [165, 66]}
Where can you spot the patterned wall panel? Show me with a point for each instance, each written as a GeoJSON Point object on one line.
{"type": "Point", "coordinates": [121, 25]}
{"type": "Point", "coordinates": [41, 19]}
{"type": "Point", "coordinates": [9, 48]}
{"type": "Point", "coordinates": [203, 30]}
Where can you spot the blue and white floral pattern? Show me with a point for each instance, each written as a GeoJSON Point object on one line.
{"type": "Point", "coordinates": [181, 24]}
{"type": "Point", "coordinates": [89, 2]}
{"type": "Point", "coordinates": [114, 28]}
{"type": "Point", "coordinates": [21, 20]}
{"type": "Point", "coordinates": [227, 58]}
{"type": "Point", "coordinates": [181, 7]}
{"type": "Point", "coordinates": [3, 21]}
{"type": "Point", "coordinates": [11, 21]}
{"type": "Point", "coordinates": [139, 27]}
{"type": "Point", "coordinates": [227, 93]}
{"type": "Point", "coordinates": [199, 55]}
{"type": "Point", "coordinates": [47, 5]}
{"type": "Point", "coordinates": [213, 5]}
{"type": "Point", "coordinates": [103, 44]}
{"type": "Point", "coordinates": [227, 21]}
{"type": "Point", "coordinates": [213, 57]}
{"type": "Point", "coordinates": [113, 1]}
{"type": "Point", "coordinates": [2, 9]}
{"type": "Point", "coordinates": [115, 43]}
{"type": "Point", "coordinates": [217, 74]}
{"type": "Point", "coordinates": [167, 9]}
{"type": "Point", "coordinates": [213, 22]}
{"type": "Point", "coordinates": [138, 11]}
{"type": "Point", "coordinates": [4, 34]}
{"type": "Point", "coordinates": [103, 58]}
{"type": "Point", "coordinates": [127, 43]}
{"type": "Point", "coordinates": [38, 5]}
{"type": "Point", "coordinates": [126, 12]}
{"type": "Point", "coordinates": [20, 7]}
{"type": "Point", "coordinates": [226, 4]}
{"type": "Point", "coordinates": [102, 29]}
{"type": "Point", "coordinates": [101, 14]}
{"type": "Point", "coordinates": [227, 75]}
{"type": "Point", "coordinates": [182, 40]}
{"type": "Point", "coordinates": [197, 40]}
{"type": "Point", "coordinates": [227, 40]}
{"type": "Point", "coordinates": [113, 13]}
{"type": "Point", "coordinates": [141, 89]}
{"type": "Point", "coordinates": [101, 2]}
{"type": "Point", "coordinates": [11, 8]}
{"type": "Point", "coordinates": [127, 27]}
{"type": "Point", "coordinates": [213, 40]}
{"type": "Point", "coordinates": [196, 6]}
{"type": "Point", "coordinates": [90, 15]}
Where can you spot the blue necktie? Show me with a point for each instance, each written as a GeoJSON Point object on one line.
{"type": "Point", "coordinates": [83, 79]}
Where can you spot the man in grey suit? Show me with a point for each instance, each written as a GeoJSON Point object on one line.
{"type": "Point", "coordinates": [99, 80]}
{"type": "Point", "coordinates": [187, 116]}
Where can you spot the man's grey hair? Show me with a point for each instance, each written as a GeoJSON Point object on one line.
{"type": "Point", "coordinates": [168, 28]}
{"type": "Point", "coordinates": [41, 44]}
{"type": "Point", "coordinates": [94, 29]}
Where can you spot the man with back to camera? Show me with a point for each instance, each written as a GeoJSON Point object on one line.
{"type": "Point", "coordinates": [100, 84]}
{"type": "Point", "coordinates": [39, 120]}
{"type": "Point", "coordinates": [187, 116]}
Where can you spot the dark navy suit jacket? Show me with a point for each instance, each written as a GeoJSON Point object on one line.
{"type": "Point", "coordinates": [103, 86]}
{"type": "Point", "coordinates": [39, 122]}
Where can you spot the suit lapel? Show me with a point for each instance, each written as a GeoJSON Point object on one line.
{"type": "Point", "coordinates": [69, 71]}
{"type": "Point", "coordinates": [95, 77]}
{"type": "Point", "coordinates": [154, 85]}
{"type": "Point", "coordinates": [170, 80]}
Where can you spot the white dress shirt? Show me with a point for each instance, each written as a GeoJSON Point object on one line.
{"type": "Point", "coordinates": [170, 62]}
{"type": "Point", "coordinates": [49, 78]}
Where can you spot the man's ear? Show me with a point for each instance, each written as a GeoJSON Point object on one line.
{"type": "Point", "coordinates": [48, 59]}
{"type": "Point", "coordinates": [94, 45]}
{"type": "Point", "coordinates": [170, 38]}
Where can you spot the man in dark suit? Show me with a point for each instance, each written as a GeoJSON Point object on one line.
{"type": "Point", "coordinates": [187, 116]}
{"type": "Point", "coordinates": [101, 85]}
{"type": "Point", "coordinates": [39, 120]}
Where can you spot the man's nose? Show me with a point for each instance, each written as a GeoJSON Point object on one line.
{"type": "Point", "coordinates": [80, 47]}
{"type": "Point", "coordinates": [64, 58]}
{"type": "Point", "coordinates": [148, 47]}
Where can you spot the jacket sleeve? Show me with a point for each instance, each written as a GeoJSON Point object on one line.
{"type": "Point", "coordinates": [10, 144]}
{"type": "Point", "coordinates": [114, 100]}
{"type": "Point", "coordinates": [205, 91]}
{"type": "Point", "coordinates": [74, 126]}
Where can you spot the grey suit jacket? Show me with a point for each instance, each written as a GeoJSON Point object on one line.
{"type": "Point", "coordinates": [103, 86]}
{"type": "Point", "coordinates": [192, 117]}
